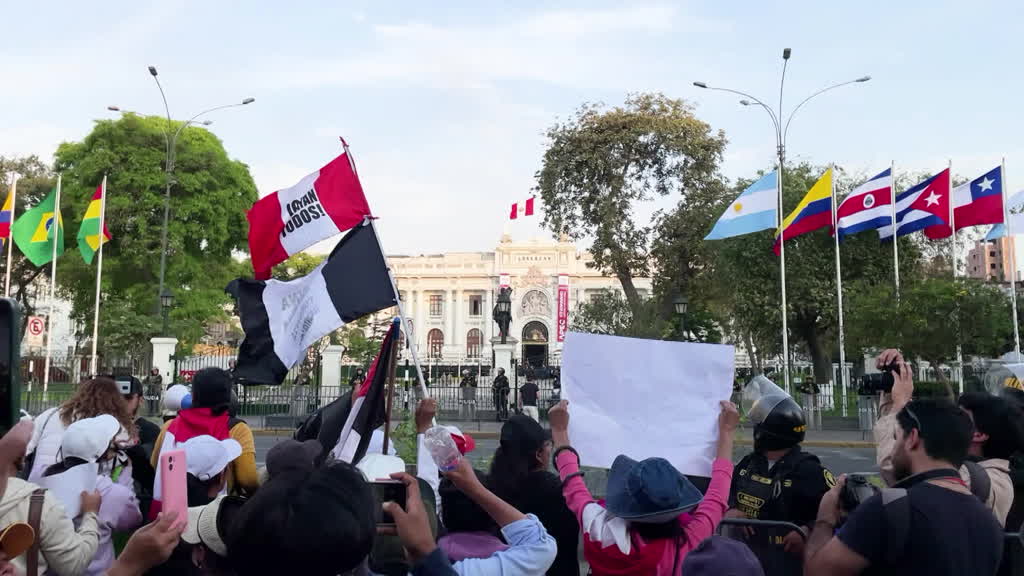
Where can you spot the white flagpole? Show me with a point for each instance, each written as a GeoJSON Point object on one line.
{"type": "Point", "coordinates": [782, 276]}
{"type": "Point", "coordinates": [394, 288]}
{"type": "Point", "coordinates": [895, 247]}
{"type": "Point", "coordinates": [99, 275]}
{"type": "Point", "coordinates": [1013, 259]}
{"type": "Point", "coordinates": [839, 290]}
{"type": "Point", "coordinates": [56, 229]}
{"type": "Point", "coordinates": [956, 274]}
{"type": "Point", "coordinates": [10, 238]}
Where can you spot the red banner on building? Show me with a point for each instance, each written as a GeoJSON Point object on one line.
{"type": "Point", "coordinates": [563, 306]}
{"type": "Point", "coordinates": [503, 280]}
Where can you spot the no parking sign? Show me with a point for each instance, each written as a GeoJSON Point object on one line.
{"type": "Point", "coordinates": [34, 330]}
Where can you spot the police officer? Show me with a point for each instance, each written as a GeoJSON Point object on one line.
{"type": "Point", "coordinates": [777, 481]}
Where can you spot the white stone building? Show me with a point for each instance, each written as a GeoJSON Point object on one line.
{"type": "Point", "coordinates": [449, 298]}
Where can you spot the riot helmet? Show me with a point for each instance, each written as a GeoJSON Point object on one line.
{"type": "Point", "coordinates": [778, 420]}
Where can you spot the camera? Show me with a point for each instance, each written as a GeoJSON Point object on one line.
{"type": "Point", "coordinates": [871, 384]}
{"type": "Point", "coordinates": [856, 490]}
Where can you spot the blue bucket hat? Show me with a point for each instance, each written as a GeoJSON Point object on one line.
{"type": "Point", "coordinates": [650, 491]}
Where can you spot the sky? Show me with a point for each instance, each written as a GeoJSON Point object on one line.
{"type": "Point", "coordinates": [445, 104]}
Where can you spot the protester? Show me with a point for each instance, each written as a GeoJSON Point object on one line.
{"type": "Point", "coordinates": [176, 398]}
{"type": "Point", "coordinates": [140, 454]}
{"type": "Point", "coordinates": [58, 547]}
{"type": "Point", "coordinates": [467, 387]}
{"type": "Point", "coordinates": [997, 437]}
{"type": "Point", "coordinates": [528, 398]}
{"type": "Point", "coordinates": [207, 527]}
{"type": "Point", "coordinates": [211, 399]}
{"type": "Point", "coordinates": [93, 397]}
{"type": "Point", "coordinates": [721, 556]}
{"type": "Point", "coordinates": [207, 460]}
{"type": "Point", "coordinates": [500, 389]}
{"type": "Point", "coordinates": [929, 523]}
{"type": "Point", "coordinates": [519, 475]}
{"type": "Point", "coordinates": [15, 540]}
{"type": "Point", "coordinates": [778, 480]}
{"type": "Point", "coordinates": [357, 379]}
{"type": "Point", "coordinates": [471, 533]}
{"type": "Point", "coordinates": [91, 441]}
{"type": "Point", "coordinates": [645, 527]}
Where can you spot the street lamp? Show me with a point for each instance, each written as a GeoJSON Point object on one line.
{"type": "Point", "coordinates": [171, 141]}
{"type": "Point", "coordinates": [781, 130]}
{"type": "Point", "coordinates": [166, 301]}
{"type": "Point", "coordinates": [117, 109]}
{"type": "Point", "coordinates": [680, 303]}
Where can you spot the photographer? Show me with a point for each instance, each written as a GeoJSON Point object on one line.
{"type": "Point", "coordinates": [996, 436]}
{"type": "Point", "coordinates": [928, 524]}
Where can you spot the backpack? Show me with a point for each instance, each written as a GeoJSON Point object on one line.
{"type": "Point", "coordinates": [981, 482]}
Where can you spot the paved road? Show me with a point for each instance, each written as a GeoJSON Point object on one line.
{"type": "Point", "coordinates": [838, 460]}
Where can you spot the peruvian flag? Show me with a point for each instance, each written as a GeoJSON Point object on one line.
{"type": "Point", "coordinates": [323, 204]}
{"type": "Point", "coordinates": [521, 209]}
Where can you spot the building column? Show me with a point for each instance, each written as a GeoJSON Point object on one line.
{"type": "Point", "coordinates": [449, 318]}
{"type": "Point", "coordinates": [488, 320]}
{"type": "Point", "coordinates": [419, 321]}
{"type": "Point", "coordinates": [460, 315]}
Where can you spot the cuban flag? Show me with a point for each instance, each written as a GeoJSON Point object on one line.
{"type": "Point", "coordinates": [754, 210]}
{"type": "Point", "coordinates": [867, 207]}
{"type": "Point", "coordinates": [975, 203]}
{"type": "Point", "coordinates": [924, 205]}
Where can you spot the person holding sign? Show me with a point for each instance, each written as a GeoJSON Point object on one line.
{"type": "Point", "coordinates": [653, 515]}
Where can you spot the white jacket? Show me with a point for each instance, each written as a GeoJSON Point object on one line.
{"type": "Point", "coordinates": [62, 550]}
{"type": "Point", "coordinates": [46, 439]}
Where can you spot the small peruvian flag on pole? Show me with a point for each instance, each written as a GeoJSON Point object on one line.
{"type": "Point", "coordinates": [521, 209]}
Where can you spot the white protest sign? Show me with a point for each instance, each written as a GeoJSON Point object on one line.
{"type": "Point", "coordinates": [645, 398]}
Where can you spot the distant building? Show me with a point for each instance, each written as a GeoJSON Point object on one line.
{"type": "Point", "coordinates": [992, 261]}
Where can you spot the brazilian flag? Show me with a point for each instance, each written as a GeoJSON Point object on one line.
{"type": "Point", "coordinates": [34, 234]}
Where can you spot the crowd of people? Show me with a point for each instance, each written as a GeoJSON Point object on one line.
{"type": "Point", "coordinates": [951, 473]}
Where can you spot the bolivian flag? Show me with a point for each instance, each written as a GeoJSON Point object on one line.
{"type": "Point", "coordinates": [89, 232]}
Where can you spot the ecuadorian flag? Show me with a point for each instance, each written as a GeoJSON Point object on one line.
{"type": "Point", "coordinates": [89, 232]}
{"type": "Point", "coordinates": [7, 217]}
{"type": "Point", "coordinates": [812, 213]}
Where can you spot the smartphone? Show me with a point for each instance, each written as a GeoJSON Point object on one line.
{"type": "Point", "coordinates": [173, 484]}
{"type": "Point", "coordinates": [389, 491]}
{"type": "Point", "coordinates": [10, 364]}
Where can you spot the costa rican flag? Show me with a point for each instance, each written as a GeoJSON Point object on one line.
{"type": "Point", "coordinates": [521, 209]}
{"type": "Point", "coordinates": [867, 207]}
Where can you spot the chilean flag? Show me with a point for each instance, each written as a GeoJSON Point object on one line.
{"type": "Point", "coordinates": [323, 204]}
{"type": "Point", "coordinates": [867, 207]}
{"type": "Point", "coordinates": [922, 206]}
{"type": "Point", "coordinates": [975, 203]}
{"type": "Point", "coordinates": [521, 209]}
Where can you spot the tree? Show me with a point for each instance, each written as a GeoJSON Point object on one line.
{"type": "Point", "coordinates": [930, 317]}
{"type": "Point", "coordinates": [296, 266]}
{"type": "Point", "coordinates": [207, 226]}
{"type": "Point", "coordinates": [601, 163]}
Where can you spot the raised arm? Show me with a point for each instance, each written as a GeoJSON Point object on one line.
{"type": "Point", "coordinates": [709, 512]}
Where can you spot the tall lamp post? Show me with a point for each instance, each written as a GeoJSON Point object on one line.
{"type": "Point", "coordinates": [680, 303]}
{"type": "Point", "coordinates": [166, 301]}
{"type": "Point", "coordinates": [781, 130]}
{"type": "Point", "coordinates": [171, 141]}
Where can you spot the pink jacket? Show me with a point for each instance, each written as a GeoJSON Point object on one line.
{"type": "Point", "coordinates": [612, 549]}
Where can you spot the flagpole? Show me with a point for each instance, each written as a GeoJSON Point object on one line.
{"type": "Point", "coordinates": [56, 229]}
{"type": "Point", "coordinates": [10, 238]}
{"type": "Point", "coordinates": [952, 225]}
{"type": "Point", "coordinates": [99, 273]}
{"type": "Point", "coordinates": [390, 390]}
{"type": "Point", "coordinates": [782, 275]}
{"type": "Point", "coordinates": [1013, 260]}
{"type": "Point", "coordinates": [895, 247]}
{"type": "Point", "coordinates": [394, 288]}
{"type": "Point", "coordinates": [839, 290]}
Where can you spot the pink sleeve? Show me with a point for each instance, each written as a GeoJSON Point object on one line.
{"type": "Point", "coordinates": [709, 512]}
{"type": "Point", "coordinates": [575, 490]}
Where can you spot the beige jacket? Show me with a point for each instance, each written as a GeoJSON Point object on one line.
{"type": "Point", "coordinates": [63, 551]}
{"type": "Point", "coordinates": [1000, 496]}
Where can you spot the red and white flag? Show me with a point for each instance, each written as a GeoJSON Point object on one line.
{"type": "Point", "coordinates": [520, 209]}
{"type": "Point", "coordinates": [323, 204]}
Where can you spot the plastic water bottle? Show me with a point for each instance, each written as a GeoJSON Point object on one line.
{"type": "Point", "coordinates": [442, 448]}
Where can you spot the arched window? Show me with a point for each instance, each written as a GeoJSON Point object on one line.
{"type": "Point", "coordinates": [435, 343]}
{"type": "Point", "coordinates": [474, 339]}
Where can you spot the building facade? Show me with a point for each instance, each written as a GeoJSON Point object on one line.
{"type": "Point", "coordinates": [449, 298]}
{"type": "Point", "coordinates": [992, 260]}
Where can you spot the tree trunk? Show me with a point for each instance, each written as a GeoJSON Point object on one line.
{"type": "Point", "coordinates": [632, 296]}
{"type": "Point", "coordinates": [820, 358]}
{"type": "Point", "coordinates": [755, 358]}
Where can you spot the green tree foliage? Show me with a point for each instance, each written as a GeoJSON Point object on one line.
{"type": "Point", "coordinates": [603, 162]}
{"type": "Point", "coordinates": [207, 227]}
{"type": "Point", "coordinates": [607, 312]}
{"type": "Point", "coordinates": [930, 317]}
{"type": "Point", "coordinates": [296, 266]}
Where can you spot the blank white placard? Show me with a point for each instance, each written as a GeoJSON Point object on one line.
{"type": "Point", "coordinates": [645, 398]}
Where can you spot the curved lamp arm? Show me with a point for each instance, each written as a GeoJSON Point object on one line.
{"type": "Point", "coordinates": [785, 130]}
{"type": "Point", "coordinates": [775, 119]}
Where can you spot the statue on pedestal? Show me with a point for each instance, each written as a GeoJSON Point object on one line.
{"type": "Point", "coordinates": [503, 311]}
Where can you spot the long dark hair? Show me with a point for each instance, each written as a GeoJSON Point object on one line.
{"type": "Point", "coordinates": [508, 472]}
{"type": "Point", "coordinates": [199, 491]}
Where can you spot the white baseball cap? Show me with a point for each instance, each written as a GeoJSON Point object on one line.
{"type": "Point", "coordinates": [207, 457]}
{"type": "Point", "coordinates": [202, 526]}
{"type": "Point", "coordinates": [89, 438]}
{"type": "Point", "coordinates": [174, 397]}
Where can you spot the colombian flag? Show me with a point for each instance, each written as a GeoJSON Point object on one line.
{"type": "Point", "coordinates": [812, 213]}
{"type": "Point", "coordinates": [88, 233]}
{"type": "Point", "coordinates": [7, 216]}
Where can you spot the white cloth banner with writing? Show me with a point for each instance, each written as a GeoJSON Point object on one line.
{"type": "Point", "coordinates": [645, 398]}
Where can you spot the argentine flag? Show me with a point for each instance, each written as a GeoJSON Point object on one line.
{"type": "Point", "coordinates": [1016, 210]}
{"type": "Point", "coordinates": [753, 211]}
